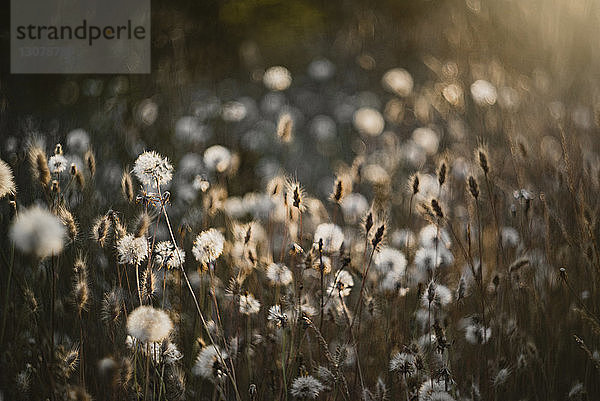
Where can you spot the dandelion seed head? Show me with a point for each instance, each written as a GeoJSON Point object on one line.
{"type": "Point", "coordinates": [277, 78]}
{"type": "Point", "coordinates": [392, 281]}
{"type": "Point", "coordinates": [403, 363]}
{"type": "Point", "coordinates": [168, 255]}
{"type": "Point", "coordinates": [249, 305]}
{"type": "Point", "coordinates": [389, 259]}
{"type": "Point", "coordinates": [165, 352]}
{"type": "Point", "coordinates": [368, 121]}
{"type": "Point", "coordinates": [107, 366]}
{"type": "Point", "coordinates": [78, 140]}
{"type": "Point", "coordinates": [398, 81]}
{"type": "Point", "coordinates": [277, 317]}
{"type": "Point", "coordinates": [38, 232]}
{"type": "Point", "coordinates": [509, 98]}
{"type": "Point", "coordinates": [131, 250]}
{"type": "Point", "coordinates": [475, 334]}
{"type": "Point", "coordinates": [427, 139]}
{"type": "Point", "coordinates": [342, 285]}
{"type": "Point", "coordinates": [484, 93]}
{"type": "Point", "coordinates": [148, 324]}
{"type": "Point", "coordinates": [217, 158]}
{"type": "Point", "coordinates": [57, 164]}
{"type": "Point", "coordinates": [306, 387]}
{"type": "Point", "coordinates": [210, 363]}
{"type": "Point", "coordinates": [208, 246]}
{"type": "Point", "coordinates": [440, 296]}
{"type": "Point", "coordinates": [279, 274]}
{"type": "Point", "coordinates": [150, 167]}
{"type": "Point", "coordinates": [400, 238]}
{"type": "Point", "coordinates": [7, 182]}
{"type": "Point", "coordinates": [332, 237]}
{"type": "Point", "coordinates": [354, 207]}
{"type": "Point", "coordinates": [510, 237]}
{"type": "Point", "coordinates": [431, 235]}
{"type": "Point", "coordinates": [425, 258]}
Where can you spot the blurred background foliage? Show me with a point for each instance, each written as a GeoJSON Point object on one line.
{"type": "Point", "coordinates": [222, 48]}
{"type": "Point", "coordinates": [195, 40]}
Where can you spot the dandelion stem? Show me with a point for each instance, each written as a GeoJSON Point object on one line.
{"type": "Point", "coordinates": [204, 324]}
{"type": "Point", "coordinates": [283, 362]}
{"type": "Point", "coordinates": [6, 298]}
{"type": "Point", "coordinates": [147, 379]}
{"type": "Point", "coordinates": [358, 308]}
{"type": "Point", "coordinates": [137, 279]}
{"type": "Point", "coordinates": [52, 303]}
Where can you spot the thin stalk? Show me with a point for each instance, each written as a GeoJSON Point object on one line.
{"type": "Point", "coordinates": [321, 267]}
{"type": "Point", "coordinates": [204, 324]}
{"type": "Point", "coordinates": [81, 353]}
{"type": "Point", "coordinates": [52, 303]}
{"type": "Point", "coordinates": [283, 362]}
{"type": "Point", "coordinates": [137, 279]}
{"type": "Point", "coordinates": [6, 298]}
{"type": "Point", "coordinates": [147, 379]}
{"type": "Point", "coordinates": [362, 288]}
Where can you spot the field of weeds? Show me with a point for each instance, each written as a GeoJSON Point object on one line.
{"type": "Point", "coordinates": [408, 212]}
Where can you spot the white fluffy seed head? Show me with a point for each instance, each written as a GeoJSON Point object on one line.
{"type": "Point", "coordinates": [342, 285]}
{"type": "Point", "coordinates": [368, 121]}
{"type": "Point", "coordinates": [398, 81]}
{"type": "Point", "coordinates": [132, 250]}
{"type": "Point", "coordinates": [430, 235]}
{"type": "Point", "coordinates": [217, 158]}
{"type": "Point", "coordinates": [402, 362]}
{"type": "Point", "coordinates": [38, 232]}
{"type": "Point", "coordinates": [150, 167]}
{"type": "Point", "coordinates": [277, 78]}
{"type": "Point", "coordinates": [389, 259]}
{"type": "Point", "coordinates": [483, 93]}
{"type": "Point", "coordinates": [148, 324]}
{"type": "Point", "coordinates": [440, 296]}
{"type": "Point", "coordinates": [208, 246]}
{"type": "Point", "coordinates": [210, 363]}
{"type": "Point", "coordinates": [476, 334]}
{"type": "Point", "coordinates": [306, 387]}
{"type": "Point", "coordinates": [168, 255]}
{"type": "Point", "coordinates": [57, 164]}
{"type": "Point", "coordinates": [276, 316]}
{"type": "Point", "coordinates": [7, 182]}
{"type": "Point", "coordinates": [332, 237]}
{"type": "Point", "coordinates": [249, 305]}
{"type": "Point", "coordinates": [279, 274]}
{"type": "Point", "coordinates": [354, 207]}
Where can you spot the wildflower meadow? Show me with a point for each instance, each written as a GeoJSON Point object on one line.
{"type": "Point", "coordinates": [373, 202]}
